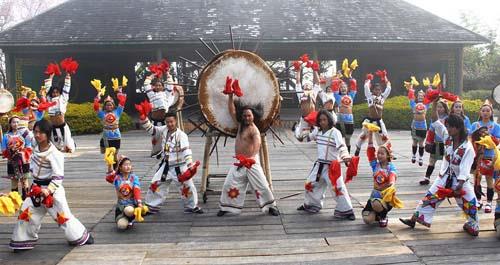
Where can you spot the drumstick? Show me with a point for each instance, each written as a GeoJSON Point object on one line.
{"type": "Point", "coordinates": [191, 62]}
{"type": "Point", "coordinates": [215, 46]}
{"type": "Point", "coordinates": [203, 58]}
{"type": "Point", "coordinates": [206, 45]}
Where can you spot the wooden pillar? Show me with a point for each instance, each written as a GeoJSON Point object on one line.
{"type": "Point", "coordinates": [206, 162]}
{"type": "Point", "coordinates": [265, 158]}
{"type": "Point", "coordinates": [459, 69]}
{"type": "Point", "coordinates": [10, 73]}
{"type": "Point", "coordinates": [159, 54]}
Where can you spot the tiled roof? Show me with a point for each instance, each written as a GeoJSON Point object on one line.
{"type": "Point", "coordinates": [178, 21]}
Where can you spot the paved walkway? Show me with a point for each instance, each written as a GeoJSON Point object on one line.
{"type": "Point", "coordinates": [172, 237]}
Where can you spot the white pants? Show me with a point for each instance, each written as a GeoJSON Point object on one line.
{"type": "Point", "coordinates": [62, 140]}
{"type": "Point", "coordinates": [25, 233]}
{"type": "Point", "coordinates": [187, 190]}
{"type": "Point", "coordinates": [315, 191]}
{"type": "Point", "coordinates": [380, 137]}
{"type": "Point", "coordinates": [235, 187]}
{"type": "Point", "coordinates": [428, 205]}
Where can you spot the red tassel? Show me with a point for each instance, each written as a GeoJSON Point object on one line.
{"type": "Point", "coordinates": [21, 103]}
{"type": "Point", "coordinates": [297, 65]}
{"type": "Point", "coordinates": [311, 118]}
{"type": "Point", "coordinates": [334, 173]}
{"type": "Point", "coordinates": [69, 65]}
{"type": "Point", "coordinates": [43, 106]}
{"type": "Point", "coordinates": [369, 76]}
{"type": "Point", "coordinates": [48, 201]}
{"type": "Point", "coordinates": [353, 84]}
{"type": "Point", "coordinates": [227, 88]}
{"type": "Point", "coordinates": [97, 106]}
{"type": "Point", "coordinates": [315, 66]}
{"type": "Point", "coordinates": [122, 98]}
{"type": "Point", "coordinates": [447, 193]}
{"type": "Point", "coordinates": [352, 169]}
{"type": "Point", "coordinates": [304, 58]}
{"type": "Point", "coordinates": [144, 108]}
{"type": "Point", "coordinates": [336, 84]}
{"type": "Point", "coordinates": [449, 96]}
{"type": "Point", "coordinates": [6, 154]}
{"type": "Point", "coordinates": [309, 64]}
{"type": "Point", "coordinates": [429, 138]}
{"type": "Point", "coordinates": [370, 153]}
{"type": "Point", "coordinates": [411, 93]}
{"type": "Point", "coordinates": [110, 177]}
{"type": "Point", "coordinates": [236, 88]}
{"type": "Point", "coordinates": [156, 70]}
{"type": "Point", "coordinates": [244, 161]}
{"type": "Point", "coordinates": [189, 173]}
{"type": "Point", "coordinates": [52, 68]}
{"type": "Point", "coordinates": [382, 74]}
{"type": "Point", "coordinates": [137, 193]}
{"type": "Point", "coordinates": [430, 96]}
{"type": "Point", "coordinates": [165, 66]}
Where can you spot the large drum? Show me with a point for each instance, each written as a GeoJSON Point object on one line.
{"type": "Point", "coordinates": [495, 94]}
{"type": "Point", "coordinates": [6, 101]}
{"type": "Point", "coordinates": [257, 81]}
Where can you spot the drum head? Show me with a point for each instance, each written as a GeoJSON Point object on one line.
{"type": "Point", "coordinates": [257, 81]}
{"type": "Point", "coordinates": [7, 101]}
{"type": "Point", "coordinates": [495, 94]}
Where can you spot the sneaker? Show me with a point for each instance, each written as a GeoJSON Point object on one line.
{"type": "Point", "coordinates": [488, 207]}
{"type": "Point", "coordinates": [196, 209]}
{"type": "Point", "coordinates": [90, 241]}
{"type": "Point", "coordinates": [413, 159]}
{"type": "Point", "coordinates": [383, 222]}
{"type": "Point", "coordinates": [424, 181]}
{"type": "Point", "coordinates": [420, 161]}
{"type": "Point", "coordinates": [308, 209]}
{"type": "Point", "coordinates": [273, 211]}
{"type": "Point", "coordinates": [293, 126]}
{"type": "Point", "coordinates": [409, 222]}
{"type": "Point", "coordinates": [470, 230]}
{"type": "Point", "coordinates": [221, 213]}
{"type": "Point", "coordinates": [350, 217]}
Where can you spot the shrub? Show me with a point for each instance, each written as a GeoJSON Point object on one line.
{"type": "Point", "coordinates": [82, 119]}
{"type": "Point", "coordinates": [398, 115]}
{"type": "Point", "coordinates": [481, 94]}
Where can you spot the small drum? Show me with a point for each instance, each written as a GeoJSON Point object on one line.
{"type": "Point", "coordinates": [257, 81]}
{"type": "Point", "coordinates": [7, 101]}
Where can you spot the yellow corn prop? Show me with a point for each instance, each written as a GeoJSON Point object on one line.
{"type": "Point", "coordinates": [414, 81]}
{"type": "Point", "coordinates": [6, 206]}
{"type": "Point", "coordinates": [426, 82]}
{"type": "Point", "coordinates": [115, 85]}
{"type": "Point", "coordinates": [124, 81]}
{"type": "Point", "coordinates": [138, 214]}
{"type": "Point", "coordinates": [487, 142]}
{"type": "Point", "coordinates": [389, 196]}
{"type": "Point", "coordinates": [16, 199]}
{"type": "Point", "coordinates": [371, 127]}
{"type": "Point", "coordinates": [109, 156]}
{"type": "Point", "coordinates": [436, 80]}
{"type": "Point", "coordinates": [96, 83]}
{"type": "Point", "coordinates": [345, 68]}
{"type": "Point", "coordinates": [145, 209]}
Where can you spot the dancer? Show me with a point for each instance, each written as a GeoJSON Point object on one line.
{"type": "Point", "coordinates": [326, 171]}
{"type": "Point", "coordinates": [47, 194]}
{"type": "Point", "coordinates": [248, 170]}
{"type": "Point", "coordinates": [176, 164]}
{"type": "Point", "coordinates": [383, 197]}
{"type": "Point", "coordinates": [17, 149]}
{"type": "Point", "coordinates": [453, 180]}
{"type": "Point", "coordinates": [375, 98]}
{"type": "Point", "coordinates": [434, 144]}
{"type": "Point", "coordinates": [61, 136]}
{"type": "Point", "coordinates": [345, 97]}
{"type": "Point", "coordinates": [418, 124]}
{"type": "Point", "coordinates": [485, 156]}
{"type": "Point", "coordinates": [109, 116]}
{"type": "Point", "coordinates": [457, 107]}
{"type": "Point", "coordinates": [129, 206]}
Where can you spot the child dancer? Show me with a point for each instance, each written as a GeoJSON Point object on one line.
{"type": "Point", "coordinates": [418, 124]}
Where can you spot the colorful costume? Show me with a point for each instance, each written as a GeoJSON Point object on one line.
{"type": "Point", "coordinates": [48, 172]}
{"type": "Point", "coordinates": [345, 122]}
{"type": "Point", "coordinates": [376, 102]}
{"type": "Point", "coordinates": [485, 162]}
{"type": "Point", "coordinates": [61, 135]}
{"type": "Point", "coordinates": [161, 101]}
{"type": "Point", "coordinates": [111, 136]}
{"type": "Point", "coordinates": [247, 171]}
{"type": "Point", "coordinates": [128, 191]}
{"type": "Point", "coordinates": [331, 148]}
{"type": "Point", "coordinates": [380, 201]}
{"type": "Point", "coordinates": [18, 164]}
{"type": "Point", "coordinates": [456, 166]}
{"type": "Point", "coordinates": [176, 157]}
{"type": "Point", "coordinates": [418, 125]}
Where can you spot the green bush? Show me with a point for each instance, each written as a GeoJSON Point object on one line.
{"type": "Point", "coordinates": [82, 119]}
{"type": "Point", "coordinates": [398, 115]}
{"type": "Point", "coordinates": [481, 94]}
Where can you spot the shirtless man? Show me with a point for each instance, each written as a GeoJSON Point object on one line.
{"type": "Point", "coordinates": [248, 169]}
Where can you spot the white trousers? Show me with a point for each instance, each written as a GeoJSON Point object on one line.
{"type": "Point", "coordinates": [25, 232]}
{"type": "Point", "coordinates": [62, 140]}
{"type": "Point", "coordinates": [235, 187]}
{"type": "Point", "coordinates": [315, 191]}
{"type": "Point", "coordinates": [187, 190]}
{"type": "Point", "coordinates": [380, 137]}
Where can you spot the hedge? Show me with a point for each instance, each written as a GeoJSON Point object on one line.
{"type": "Point", "coordinates": [477, 94]}
{"type": "Point", "coordinates": [82, 119]}
{"type": "Point", "coordinates": [398, 115]}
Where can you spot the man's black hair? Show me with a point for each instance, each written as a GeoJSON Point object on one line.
{"type": "Point", "coordinates": [256, 110]}
{"type": "Point", "coordinates": [45, 127]}
{"type": "Point", "coordinates": [328, 115]}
